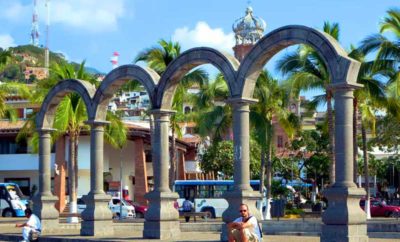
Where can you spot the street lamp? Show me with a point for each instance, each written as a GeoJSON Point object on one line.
{"type": "Point", "coordinates": [120, 184]}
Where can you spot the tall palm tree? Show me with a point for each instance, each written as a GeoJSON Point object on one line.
{"type": "Point", "coordinates": [367, 100]}
{"type": "Point", "coordinates": [272, 103]}
{"type": "Point", "coordinates": [158, 58]}
{"type": "Point", "coordinates": [307, 71]}
{"type": "Point", "coordinates": [70, 120]}
{"type": "Point", "coordinates": [386, 48]}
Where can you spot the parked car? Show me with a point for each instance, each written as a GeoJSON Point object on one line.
{"type": "Point", "coordinates": [140, 210]}
{"type": "Point", "coordinates": [128, 211]}
{"type": "Point", "coordinates": [381, 209]}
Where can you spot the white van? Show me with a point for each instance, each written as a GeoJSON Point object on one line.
{"type": "Point", "coordinates": [128, 211]}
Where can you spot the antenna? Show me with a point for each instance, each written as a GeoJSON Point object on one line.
{"type": "Point", "coordinates": [114, 59]}
{"type": "Point", "coordinates": [35, 25]}
{"type": "Point", "coordinates": [46, 50]}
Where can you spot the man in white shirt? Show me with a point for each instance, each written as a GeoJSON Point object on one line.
{"type": "Point", "coordinates": [32, 226]}
{"type": "Point", "coordinates": [245, 228]}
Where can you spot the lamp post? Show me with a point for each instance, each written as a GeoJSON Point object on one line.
{"type": "Point", "coordinates": [120, 184]}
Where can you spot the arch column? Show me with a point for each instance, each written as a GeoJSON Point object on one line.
{"type": "Point", "coordinates": [97, 217]}
{"type": "Point", "coordinates": [242, 191]}
{"type": "Point", "coordinates": [344, 220]}
{"type": "Point", "coordinates": [161, 218]}
{"type": "Point", "coordinates": [44, 201]}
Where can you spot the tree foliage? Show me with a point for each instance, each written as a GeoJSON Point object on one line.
{"type": "Point", "coordinates": [219, 157]}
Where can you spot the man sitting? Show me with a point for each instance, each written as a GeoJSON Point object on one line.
{"type": "Point", "coordinates": [245, 228]}
{"type": "Point", "coordinates": [32, 228]}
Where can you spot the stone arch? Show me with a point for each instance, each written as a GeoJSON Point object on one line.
{"type": "Point", "coordinates": [342, 69]}
{"type": "Point", "coordinates": [115, 79]}
{"type": "Point", "coordinates": [188, 60]}
{"type": "Point", "coordinates": [46, 113]}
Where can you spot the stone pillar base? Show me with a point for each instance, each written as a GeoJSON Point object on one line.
{"type": "Point", "coordinates": [163, 230]}
{"type": "Point", "coordinates": [162, 219]}
{"type": "Point", "coordinates": [44, 208]}
{"type": "Point", "coordinates": [344, 233]}
{"type": "Point", "coordinates": [97, 228]}
{"type": "Point", "coordinates": [97, 217]}
{"type": "Point", "coordinates": [344, 220]}
{"type": "Point", "coordinates": [235, 198]}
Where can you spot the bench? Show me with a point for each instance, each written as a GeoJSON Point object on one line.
{"type": "Point", "coordinates": [196, 214]}
{"type": "Point", "coordinates": [66, 215]}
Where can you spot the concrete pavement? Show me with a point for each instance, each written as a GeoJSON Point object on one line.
{"type": "Point", "coordinates": [132, 231]}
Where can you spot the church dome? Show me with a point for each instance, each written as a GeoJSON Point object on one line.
{"type": "Point", "coordinates": [248, 29]}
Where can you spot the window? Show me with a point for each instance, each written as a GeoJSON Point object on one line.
{"type": "Point", "coordinates": [10, 146]}
{"type": "Point", "coordinates": [148, 156]}
{"type": "Point", "coordinates": [187, 109]}
{"type": "Point", "coordinates": [280, 141]}
{"type": "Point", "coordinates": [23, 183]}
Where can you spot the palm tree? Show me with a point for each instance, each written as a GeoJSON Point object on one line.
{"type": "Point", "coordinates": [307, 71]}
{"type": "Point", "coordinates": [5, 56]}
{"type": "Point", "coordinates": [9, 89]}
{"type": "Point", "coordinates": [367, 100]}
{"type": "Point", "coordinates": [386, 49]}
{"type": "Point", "coordinates": [272, 103]}
{"type": "Point", "coordinates": [158, 58]}
{"type": "Point", "coordinates": [70, 120]}
{"type": "Point", "coordinates": [213, 118]}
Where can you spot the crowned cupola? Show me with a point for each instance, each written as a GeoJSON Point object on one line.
{"type": "Point", "coordinates": [248, 30]}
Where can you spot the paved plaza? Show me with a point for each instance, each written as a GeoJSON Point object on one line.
{"type": "Point", "coordinates": [131, 231]}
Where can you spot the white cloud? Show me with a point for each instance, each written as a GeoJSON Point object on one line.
{"type": "Point", "coordinates": [6, 41]}
{"type": "Point", "coordinates": [90, 15]}
{"type": "Point", "coordinates": [204, 35]}
{"type": "Point", "coordinates": [15, 11]}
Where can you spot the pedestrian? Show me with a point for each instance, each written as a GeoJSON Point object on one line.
{"type": "Point", "coordinates": [245, 228]}
{"type": "Point", "coordinates": [187, 206]}
{"type": "Point", "coordinates": [32, 228]}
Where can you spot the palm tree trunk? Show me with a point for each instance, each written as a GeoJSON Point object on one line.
{"type": "Point", "coordinates": [262, 178]}
{"type": "Point", "coordinates": [172, 169]}
{"type": "Point", "coordinates": [76, 143]}
{"type": "Point", "coordinates": [355, 146]}
{"type": "Point", "coordinates": [331, 127]}
{"type": "Point", "coordinates": [366, 173]}
{"type": "Point", "coordinates": [267, 213]}
{"type": "Point", "coordinates": [72, 178]}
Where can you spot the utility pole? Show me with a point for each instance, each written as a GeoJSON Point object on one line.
{"type": "Point", "coordinates": [46, 50]}
{"type": "Point", "coordinates": [35, 26]}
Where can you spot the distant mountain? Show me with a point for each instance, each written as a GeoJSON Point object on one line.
{"type": "Point", "coordinates": [94, 71]}
{"type": "Point", "coordinates": [26, 58]}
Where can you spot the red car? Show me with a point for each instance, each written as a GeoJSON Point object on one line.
{"type": "Point", "coordinates": [139, 209]}
{"type": "Point", "coordinates": [380, 209]}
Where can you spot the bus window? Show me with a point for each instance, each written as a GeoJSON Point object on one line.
{"type": "Point", "coordinates": [219, 190]}
{"type": "Point", "coordinates": [203, 192]}
{"type": "Point", "coordinates": [256, 187]}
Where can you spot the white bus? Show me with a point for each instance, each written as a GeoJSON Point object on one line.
{"type": "Point", "coordinates": [207, 194]}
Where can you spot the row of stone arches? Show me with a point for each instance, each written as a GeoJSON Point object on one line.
{"type": "Point", "coordinates": [161, 219]}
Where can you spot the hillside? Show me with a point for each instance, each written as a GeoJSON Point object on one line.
{"type": "Point", "coordinates": [27, 62]}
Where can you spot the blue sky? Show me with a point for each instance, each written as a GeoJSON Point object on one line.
{"type": "Point", "coordinates": [94, 29]}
